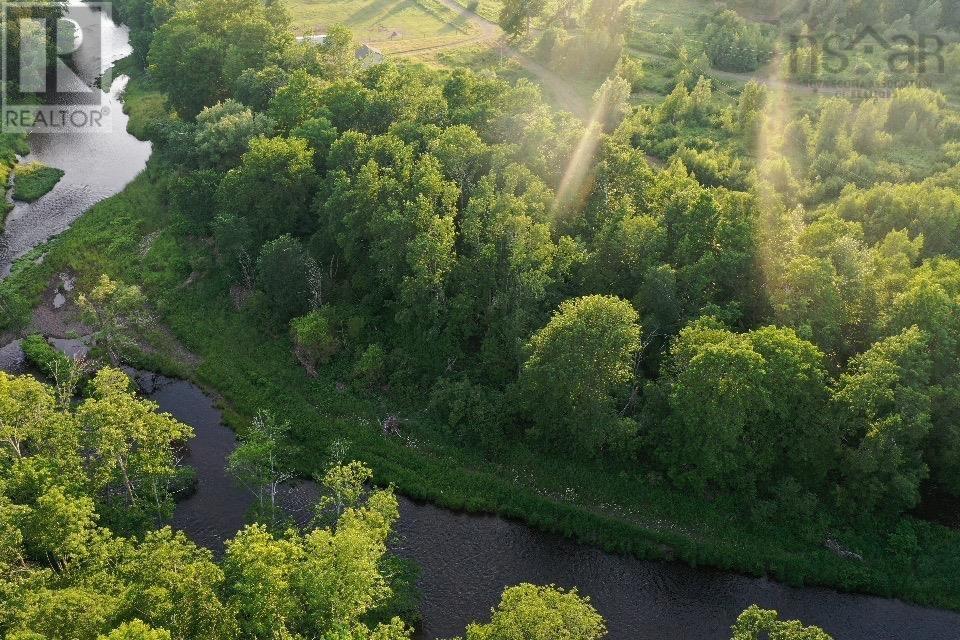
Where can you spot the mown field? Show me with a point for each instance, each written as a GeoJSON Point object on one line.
{"type": "Point", "coordinates": [392, 25]}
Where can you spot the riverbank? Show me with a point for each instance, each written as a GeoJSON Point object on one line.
{"type": "Point", "coordinates": [33, 180]}
{"type": "Point", "coordinates": [133, 237]}
{"type": "Point", "coordinates": [464, 560]}
{"type": "Point", "coordinates": [12, 145]}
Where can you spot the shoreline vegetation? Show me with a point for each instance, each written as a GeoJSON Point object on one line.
{"type": "Point", "coordinates": [248, 370]}
{"type": "Point", "coordinates": [33, 180]}
{"type": "Point", "coordinates": [12, 145]}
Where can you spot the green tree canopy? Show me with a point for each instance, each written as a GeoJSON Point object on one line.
{"type": "Point", "coordinates": [883, 400]}
{"type": "Point", "coordinates": [530, 612]}
{"type": "Point", "coordinates": [746, 409]}
{"type": "Point", "coordinates": [576, 365]}
{"type": "Point", "coordinates": [199, 52]}
{"type": "Point", "coordinates": [756, 623]}
{"type": "Point", "coordinates": [271, 188]}
{"type": "Point", "coordinates": [284, 270]}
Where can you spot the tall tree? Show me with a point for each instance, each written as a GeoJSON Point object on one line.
{"type": "Point", "coordinates": [756, 623]}
{"type": "Point", "coordinates": [175, 585]}
{"type": "Point", "coordinates": [198, 54]}
{"type": "Point", "coordinates": [259, 464]}
{"type": "Point", "coordinates": [576, 365]}
{"type": "Point", "coordinates": [284, 271]}
{"type": "Point", "coordinates": [271, 188]}
{"type": "Point", "coordinates": [224, 132]}
{"type": "Point", "coordinates": [300, 99]}
{"type": "Point", "coordinates": [714, 385]}
{"type": "Point", "coordinates": [532, 612]}
{"type": "Point", "coordinates": [130, 444]}
{"type": "Point", "coordinates": [516, 15]}
{"type": "Point", "coordinates": [883, 400]}
{"type": "Point", "coordinates": [117, 312]}
{"type": "Point", "coordinates": [319, 584]}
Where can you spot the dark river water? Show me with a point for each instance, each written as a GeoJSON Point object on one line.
{"type": "Point", "coordinates": [466, 560]}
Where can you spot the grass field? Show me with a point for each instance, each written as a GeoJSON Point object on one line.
{"type": "Point", "coordinates": [391, 24]}
{"type": "Point", "coordinates": [489, 9]}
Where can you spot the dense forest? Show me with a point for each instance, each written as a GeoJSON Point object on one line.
{"type": "Point", "coordinates": [790, 338]}
{"type": "Point", "coordinates": [786, 335]}
{"type": "Point", "coordinates": [750, 302]}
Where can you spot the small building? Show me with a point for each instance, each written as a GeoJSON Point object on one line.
{"type": "Point", "coordinates": [365, 53]}
{"type": "Point", "coordinates": [368, 55]}
{"type": "Point", "coordinates": [316, 38]}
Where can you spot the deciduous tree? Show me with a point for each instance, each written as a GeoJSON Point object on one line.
{"type": "Point", "coordinates": [576, 365]}
{"type": "Point", "coordinates": [117, 312]}
{"type": "Point", "coordinates": [271, 188]}
{"type": "Point", "coordinates": [532, 612]}
{"type": "Point", "coordinates": [883, 401]}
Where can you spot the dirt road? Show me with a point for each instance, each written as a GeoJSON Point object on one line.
{"type": "Point", "coordinates": [491, 32]}
{"type": "Point", "coordinates": [562, 90]}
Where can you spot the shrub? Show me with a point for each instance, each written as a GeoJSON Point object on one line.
{"type": "Point", "coordinates": [313, 334]}
{"type": "Point", "coordinates": [44, 357]}
{"type": "Point", "coordinates": [192, 195]}
{"type": "Point", "coordinates": [370, 366]}
{"type": "Point", "coordinates": [33, 180]}
{"type": "Point", "coordinates": [469, 410]}
{"type": "Point", "coordinates": [14, 310]}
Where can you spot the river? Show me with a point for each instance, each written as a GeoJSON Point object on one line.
{"type": "Point", "coordinates": [466, 560]}
{"type": "Point", "coordinates": [96, 165]}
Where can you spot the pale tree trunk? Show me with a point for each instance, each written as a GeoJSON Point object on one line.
{"type": "Point", "coordinates": [126, 481]}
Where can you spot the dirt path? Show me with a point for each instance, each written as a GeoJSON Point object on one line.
{"type": "Point", "coordinates": [569, 98]}
{"type": "Point", "coordinates": [489, 31]}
